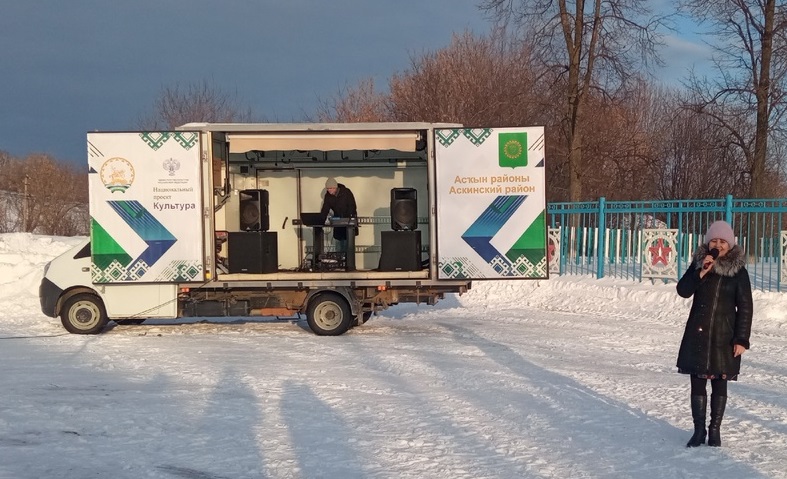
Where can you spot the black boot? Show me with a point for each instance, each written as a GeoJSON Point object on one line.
{"type": "Point", "coordinates": [717, 406]}
{"type": "Point", "coordinates": [699, 405]}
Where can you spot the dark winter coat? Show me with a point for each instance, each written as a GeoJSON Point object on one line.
{"type": "Point", "coordinates": [343, 206]}
{"type": "Point", "coordinates": [720, 316]}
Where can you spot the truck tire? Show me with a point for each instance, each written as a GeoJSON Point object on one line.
{"type": "Point", "coordinates": [84, 314]}
{"type": "Point", "coordinates": [366, 316]}
{"type": "Point", "coordinates": [329, 314]}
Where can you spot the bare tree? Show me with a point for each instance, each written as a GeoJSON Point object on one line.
{"type": "Point", "coordinates": [474, 81]}
{"type": "Point", "coordinates": [486, 80]}
{"type": "Point", "coordinates": [195, 102]}
{"type": "Point", "coordinates": [693, 157]}
{"type": "Point", "coordinates": [6, 167]}
{"type": "Point", "coordinates": [590, 45]}
{"type": "Point", "coordinates": [617, 148]}
{"type": "Point", "coordinates": [751, 59]}
{"type": "Point", "coordinates": [360, 103]}
{"type": "Point", "coordinates": [8, 216]}
{"type": "Point", "coordinates": [48, 197]}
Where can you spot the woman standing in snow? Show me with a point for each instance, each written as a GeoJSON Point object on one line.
{"type": "Point", "coordinates": [717, 331]}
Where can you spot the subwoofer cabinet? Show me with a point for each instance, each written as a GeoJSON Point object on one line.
{"type": "Point", "coordinates": [253, 252]}
{"type": "Point", "coordinates": [401, 251]}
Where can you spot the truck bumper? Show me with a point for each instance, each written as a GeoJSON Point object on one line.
{"type": "Point", "coordinates": [48, 293]}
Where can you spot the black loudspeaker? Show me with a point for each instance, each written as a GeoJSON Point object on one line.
{"type": "Point", "coordinates": [401, 251]}
{"type": "Point", "coordinates": [253, 252]}
{"type": "Point", "coordinates": [404, 209]}
{"type": "Point", "coordinates": [254, 210]}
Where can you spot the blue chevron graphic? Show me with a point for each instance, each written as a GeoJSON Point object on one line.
{"type": "Point", "coordinates": [479, 235]}
{"type": "Point", "coordinates": [153, 233]}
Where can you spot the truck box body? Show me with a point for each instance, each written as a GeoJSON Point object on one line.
{"type": "Point", "coordinates": [214, 219]}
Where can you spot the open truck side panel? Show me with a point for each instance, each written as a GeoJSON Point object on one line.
{"type": "Point", "coordinates": [491, 215]}
{"type": "Point", "coordinates": [206, 221]}
{"type": "Point", "coordinates": [146, 207]}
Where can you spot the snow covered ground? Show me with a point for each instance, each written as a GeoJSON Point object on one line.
{"type": "Point", "coordinates": [570, 378]}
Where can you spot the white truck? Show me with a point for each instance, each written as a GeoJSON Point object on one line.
{"type": "Point", "coordinates": [216, 220]}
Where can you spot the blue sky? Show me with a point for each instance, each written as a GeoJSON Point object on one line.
{"type": "Point", "coordinates": [81, 65]}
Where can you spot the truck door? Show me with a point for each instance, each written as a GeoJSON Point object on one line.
{"type": "Point", "coordinates": [145, 207]}
{"type": "Point", "coordinates": [491, 203]}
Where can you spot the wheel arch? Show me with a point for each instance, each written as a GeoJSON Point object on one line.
{"type": "Point", "coordinates": [345, 292]}
{"type": "Point", "coordinates": [71, 292]}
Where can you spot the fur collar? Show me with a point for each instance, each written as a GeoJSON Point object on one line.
{"type": "Point", "coordinates": [727, 265]}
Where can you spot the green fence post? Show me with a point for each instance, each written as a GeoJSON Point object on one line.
{"type": "Point", "coordinates": [728, 209]}
{"type": "Point", "coordinates": [679, 246]}
{"type": "Point", "coordinates": [601, 243]}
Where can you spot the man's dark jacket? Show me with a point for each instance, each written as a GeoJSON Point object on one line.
{"type": "Point", "coordinates": [343, 206]}
{"type": "Point", "coordinates": [720, 316]}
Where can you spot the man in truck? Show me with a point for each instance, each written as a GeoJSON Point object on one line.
{"type": "Point", "coordinates": [340, 200]}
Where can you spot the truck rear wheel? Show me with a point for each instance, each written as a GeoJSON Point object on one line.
{"type": "Point", "coordinates": [84, 314]}
{"type": "Point", "coordinates": [329, 314]}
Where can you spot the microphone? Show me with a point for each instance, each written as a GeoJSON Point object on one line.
{"type": "Point", "coordinates": [715, 254]}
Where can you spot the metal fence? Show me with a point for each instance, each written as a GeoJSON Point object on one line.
{"type": "Point", "coordinates": [607, 238]}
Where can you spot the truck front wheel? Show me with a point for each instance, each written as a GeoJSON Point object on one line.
{"type": "Point", "coordinates": [84, 314]}
{"type": "Point", "coordinates": [329, 314]}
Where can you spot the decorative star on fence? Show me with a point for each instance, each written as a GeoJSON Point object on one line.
{"type": "Point", "coordinates": [659, 253]}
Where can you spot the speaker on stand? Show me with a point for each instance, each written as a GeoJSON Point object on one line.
{"type": "Point", "coordinates": [254, 210]}
{"type": "Point", "coordinates": [404, 209]}
{"type": "Point", "coordinates": [401, 248]}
